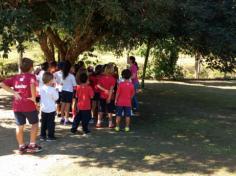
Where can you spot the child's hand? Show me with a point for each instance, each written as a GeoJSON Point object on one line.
{"type": "Point", "coordinates": [108, 100]}
{"type": "Point", "coordinates": [106, 91]}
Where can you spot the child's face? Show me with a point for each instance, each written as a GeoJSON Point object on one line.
{"type": "Point", "coordinates": [51, 83]}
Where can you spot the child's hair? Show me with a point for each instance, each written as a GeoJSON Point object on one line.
{"type": "Point", "coordinates": [90, 69]}
{"type": "Point", "coordinates": [47, 77]}
{"type": "Point", "coordinates": [53, 64]}
{"type": "Point", "coordinates": [60, 65]}
{"type": "Point", "coordinates": [126, 74]}
{"type": "Point", "coordinates": [83, 78]}
{"type": "Point", "coordinates": [26, 65]}
{"type": "Point", "coordinates": [66, 69]}
{"type": "Point", "coordinates": [133, 60]}
{"type": "Point", "coordinates": [45, 66]}
{"type": "Point", "coordinates": [98, 69]}
{"type": "Point", "coordinates": [109, 69]}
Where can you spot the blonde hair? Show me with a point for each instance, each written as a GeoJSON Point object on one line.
{"type": "Point", "coordinates": [109, 69]}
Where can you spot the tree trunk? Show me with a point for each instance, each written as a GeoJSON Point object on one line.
{"type": "Point", "coordinates": [197, 65]}
{"type": "Point", "coordinates": [20, 60]}
{"type": "Point", "coordinates": [145, 63]}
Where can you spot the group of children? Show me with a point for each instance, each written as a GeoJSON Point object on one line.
{"type": "Point", "coordinates": [62, 89]}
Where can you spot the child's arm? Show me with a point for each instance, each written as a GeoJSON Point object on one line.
{"type": "Point", "coordinates": [117, 94]}
{"type": "Point", "coordinates": [10, 90]}
{"type": "Point", "coordinates": [103, 89]}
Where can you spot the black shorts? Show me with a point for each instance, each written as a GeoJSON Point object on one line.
{"type": "Point", "coordinates": [103, 106]}
{"type": "Point", "coordinates": [96, 96]}
{"type": "Point", "coordinates": [66, 96]}
{"type": "Point", "coordinates": [21, 117]}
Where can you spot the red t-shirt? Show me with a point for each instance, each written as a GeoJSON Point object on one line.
{"type": "Point", "coordinates": [125, 92]}
{"type": "Point", "coordinates": [93, 79]}
{"type": "Point", "coordinates": [107, 82]}
{"type": "Point", "coordinates": [84, 93]}
{"type": "Point", "coordinates": [21, 84]}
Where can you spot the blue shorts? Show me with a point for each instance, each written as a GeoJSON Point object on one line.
{"type": "Point", "coordinates": [104, 106]}
{"type": "Point", "coordinates": [123, 111]}
{"type": "Point", "coordinates": [21, 117]}
{"type": "Point", "coordinates": [66, 96]}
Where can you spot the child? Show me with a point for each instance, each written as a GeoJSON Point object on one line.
{"type": "Point", "coordinates": [124, 95]}
{"type": "Point", "coordinates": [93, 80]}
{"type": "Point", "coordinates": [68, 84]}
{"type": "Point", "coordinates": [24, 104]}
{"type": "Point", "coordinates": [84, 94]}
{"type": "Point", "coordinates": [106, 84]}
{"type": "Point", "coordinates": [49, 95]}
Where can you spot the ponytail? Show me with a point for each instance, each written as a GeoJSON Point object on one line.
{"type": "Point", "coordinates": [133, 60]}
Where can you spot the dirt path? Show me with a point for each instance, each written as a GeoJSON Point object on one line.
{"type": "Point", "coordinates": [162, 141]}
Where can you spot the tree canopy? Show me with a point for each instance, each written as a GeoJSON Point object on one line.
{"type": "Point", "coordinates": [71, 27]}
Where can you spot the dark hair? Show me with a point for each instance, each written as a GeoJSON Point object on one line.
{"type": "Point", "coordinates": [66, 69]}
{"type": "Point", "coordinates": [53, 64]}
{"type": "Point", "coordinates": [83, 78]}
{"type": "Point", "coordinates": [90, 69]}
{"type": "Point", "coordinates": [98, 69]}
{"type": "Point", "coordinates": [47, 77]}
{"type": "Point", "coordinates": [133, 60]}
{"type": "Point", "coordinates": [26, 65]}
{"type": "Point", "coordinates": [126, 74]}
{"type": "Point", "coordinates": [45, 66]}
{"type": "Point", "coordinates": [60, 65]}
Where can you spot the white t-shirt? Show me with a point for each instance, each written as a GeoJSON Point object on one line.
{"type": "Point", "coordinates": [48, 98]}
{"type": "Point", "coordinates": [58, 79]}
{"type": "Point", "coordinates": [68, 83]}
{"type": "Point", "coordinates": [40, 78]}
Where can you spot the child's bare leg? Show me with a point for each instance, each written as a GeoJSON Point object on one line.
{"type": "Point", "coordinates": [34, 133]}
{"type": "Point", "coordinates": [118, 121]}
{"type": "Point", "coordinates": [94, 105]}
{"type": "Point", "coordinates": [110, 119]}
{"type": "Point", "coordinates": [20, 134]}
{"type": "Point", "coordinates": [127, 121]}
{"type": "Point", "coordinates": [100, 115]}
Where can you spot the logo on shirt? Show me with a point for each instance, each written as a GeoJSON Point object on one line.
{"type": "Point", "coordinates": [20, 86]}
{"type": "Point", "coordinates": [21, 79]}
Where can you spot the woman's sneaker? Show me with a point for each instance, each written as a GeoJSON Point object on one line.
{"type": "Point", "coordinates": [68, 122]}
{"type": "Point", "coordinates": [34, 148]}
{"type": "Point", "coordinates": [42, 138]}
{"type": "Point", "coordinates": [22, 149]}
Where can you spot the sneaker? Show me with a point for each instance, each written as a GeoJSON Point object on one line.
{"type": "Point", "coordinates": [91, 121]}
{"type": "Point", "coordinates": [34, 148]}
{"type": "Point", "coordinates": [68, 123]}
{"type": "Point", "coordinates": [98, 126]}
{"type": "Point", "coordinates": [127, 129]}
{"type": "Point", "coordinates": [42, 138]}
{"type": "Point", "coordinates": [49, 139]}
{"type": "Point", "coordinates": [117, 129]}
{"type": "Point", "coordinates": [73, 130]}
{"type": "Point", "coordinates": [62, 121]}
{"type": "Point", "coordinates": [22, 149]}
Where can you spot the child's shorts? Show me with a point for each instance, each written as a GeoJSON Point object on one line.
{"type": "Point", "coordinates": [96, 96]}
{"type": "Point", "coordinates": [123, 111]}
{"type": "Point", "coordinates": [21, 117]}
{"type": "Point", "coordinates": [66, 96]}
{"type": "Point", "coordinates": [103, 106]}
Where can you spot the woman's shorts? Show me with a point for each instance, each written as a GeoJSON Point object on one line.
{"type": "Point", "coordinates": [66, 96]}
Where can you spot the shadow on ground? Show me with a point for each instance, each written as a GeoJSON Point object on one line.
{"type": "Point", "coordinates": [181, 129]}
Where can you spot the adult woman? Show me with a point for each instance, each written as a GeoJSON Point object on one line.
{"type": "Point", "coordinates": [134, 70]}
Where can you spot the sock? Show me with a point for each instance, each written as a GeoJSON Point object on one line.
{"type": "Point", "coordinates": [99, 122]}
{"type": "Point", "coordinates": [21, 145]}
{"type": "Point", "coordinates": [32, 143]}
{"type": "Point", "coordinates": [110, 123]}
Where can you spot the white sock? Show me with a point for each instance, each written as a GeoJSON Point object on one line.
{"type": "Point", "coordinates": [110, 122]}
{"type": "Point", "coordinates": [99, 122]}
{"type": "Point", "coordinates": [22, 145]}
